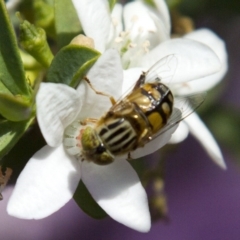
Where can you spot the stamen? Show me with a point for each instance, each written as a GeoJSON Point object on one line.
{"type": "Point", "coordinates": [132, 45]}
{"type": "Point", "coordinates": [134, 18]}
{"type": "Point", "coordinates": [131, 48]}
{"type": "Point", "coordinates": [123, 34]}
{"type": "Point", "coordinates": [118, 40]}
{"type": "Point", "coordinates": [146, 45]}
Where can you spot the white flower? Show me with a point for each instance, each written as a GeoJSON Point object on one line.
{"type": "Point", "coordinates": [144, 37]}
{"type": "Point", "coordinates": [142, 30]}
{"type": "Point", "coordinates": [51, 176]}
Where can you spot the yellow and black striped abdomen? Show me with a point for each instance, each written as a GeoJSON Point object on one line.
{"type": "Point", "coordinates": [118, 135]}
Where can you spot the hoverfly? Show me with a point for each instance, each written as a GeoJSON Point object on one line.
{"type": "Point", "coordinates": [146, 111]}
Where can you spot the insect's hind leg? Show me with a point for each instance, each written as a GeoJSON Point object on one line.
{"type": "Point", "coordinates": [111, 98]}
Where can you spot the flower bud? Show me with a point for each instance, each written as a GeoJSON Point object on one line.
{"type": "Point", "coordinates": [33, 40]}
{"type": "Point", "coordinates": [83, 41]}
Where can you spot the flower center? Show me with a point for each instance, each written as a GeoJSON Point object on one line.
{"type": "Point", "coordinates": [131, 44]}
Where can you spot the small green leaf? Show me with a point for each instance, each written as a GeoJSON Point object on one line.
{"type": "Point", "coordinates": [11, 68]}
{"type": "Point", "coordinates": [70, 64]}
{"type": "Point", "coordinates": [86, 202]}
{"type": "Point", "coordinates": [10, 133]}
{"type": "Point", "coordinates": [66, 27]}
{"type": "Point", "coordinates": [14, 108]}
{"type": "Point", "coordinates": [111, 4]}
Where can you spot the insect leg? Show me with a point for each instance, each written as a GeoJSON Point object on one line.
{"type": "Point", "coordinates": [88, 120]}
{"type": "Point", "coordinates": [129, 157]}
{"type": "Point", "coordinates": [111, 98]}
{"type": "Point", "coordinates": [140, 81]}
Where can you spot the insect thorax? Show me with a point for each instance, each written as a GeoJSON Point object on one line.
{"type": "Point", "coordinates": [155, 100]}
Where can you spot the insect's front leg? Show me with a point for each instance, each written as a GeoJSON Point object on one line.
{"type": "Point", "coordinates": [111, 98]}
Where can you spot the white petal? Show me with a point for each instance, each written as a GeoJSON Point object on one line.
{"type": "Point", "coordinates": [209, 38]}
{"type": "Point", "coordinates": [180, 134]}
{"type": "Point", "coordinates": [218, 46]}
{"type": "Point", "coordinates": [117, 19]}
{"type": "Point", "coordinates": [163, 14]}
{"type": "Point", "coordinates": [143, 24]}
{"type": "Point", "coordinates": [95, 20]}
{"type": "Point", "coordinates": [106, 76]}
{"type": "Point", "coordinates": [203, 135]}
{"type": "Point", "coordinates": [117, 189]}
{"type": "Point", "coordinates": [130, 77]}
{"type": "Point", "coordinates": [194, 59]}
{"type": "Point", "coordinates": [57, 106]}
{"type": "Point", "coordinates": [155, 144]}
{"type": "Point", "coordinates": [46, 184]}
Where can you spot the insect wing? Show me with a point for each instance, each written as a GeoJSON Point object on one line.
{"type": "Point", "coordinates": [163, 70]}
{"type": "Point", "coordinates": [183, 107]}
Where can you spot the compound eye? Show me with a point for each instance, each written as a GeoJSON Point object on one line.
{"type": "Point", "coordinates": [100, 149]}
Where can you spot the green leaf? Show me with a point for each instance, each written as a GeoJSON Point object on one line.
{"type": "Point", "coordinates": [86, 202]}
{"type": "Point", "coordinates": [11, 68]}
{"type": "Point", "coordinates": [23, 150]}
{"type": "Point", "coordinates": [3, 89]}
{"type": "Point", "coordinates": [66, 27]}
{"type": "Point", "coordinates": [10, 133]}
{"type": "Point", "coordinates": [14, 108]}
{"type": "Point", "coordinates": [70, 64]}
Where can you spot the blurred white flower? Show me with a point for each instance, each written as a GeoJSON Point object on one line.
{"type": "Point", "coordinates": [141, 34]}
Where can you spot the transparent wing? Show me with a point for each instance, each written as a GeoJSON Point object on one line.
{"type": "Point", "coordinates": [183, 107]}
{"type": "Point", "coordinates": [163, 70]}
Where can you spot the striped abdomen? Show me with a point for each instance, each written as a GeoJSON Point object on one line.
{"type": "Point", "coordinates": [156, 102]}
{"type": "Point", "coordinates": [118, 135]}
